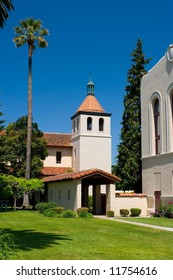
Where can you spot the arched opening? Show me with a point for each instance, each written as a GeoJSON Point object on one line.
{"type": "Point", "coordinates": [156, 112]}
{"type": "Point", "coordinates": [89, 123]}
{"type": "Point", "coordinates": [101, 124]}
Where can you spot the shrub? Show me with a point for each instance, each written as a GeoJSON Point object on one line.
{"type": "Point", "coordinates": [124, 212]}
{"type": "Point", "coordinates": [135, 212]}
{"type": "Point", "coordinates": [50, 212]}
{"type": "Point", "coordinates": [41, 206]}
{"type": "Point", "coordinates": [82, 209]}
{"type": "Point", "coordinates": [85, 215]}
{"type": "Point", "coordinates": [7, 245]}
{"type": "Point", "coordinates": [110, 213]}
{"type": "Point", "coordinates": [83, 212]}
{"type": "Point", "coordinates": [68, 214]}
{"type": "Point", "coordinates": [59, 210]}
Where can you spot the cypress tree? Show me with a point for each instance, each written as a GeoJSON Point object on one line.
{"type": "Point", "coordinates": [128, 166]}
{"type": "Point", "coordinates": [2, 152]}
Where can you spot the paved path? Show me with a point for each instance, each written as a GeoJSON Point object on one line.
{"type": "Point", "coordinates": [134, 223]}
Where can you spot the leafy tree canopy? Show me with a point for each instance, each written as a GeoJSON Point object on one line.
{"type": "Point", "coordinates": [15, 148]}
{"type": "Point", "coordinates": [11, 185]}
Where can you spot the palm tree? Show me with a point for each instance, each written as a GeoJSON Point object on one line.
{"type": "Point", "coordinates": [5, 7]}
{"type": "Point", "coordinates": [30, 32]}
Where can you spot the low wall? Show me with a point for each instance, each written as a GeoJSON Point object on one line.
{"type": "Point", "coordinates": [128, 201]}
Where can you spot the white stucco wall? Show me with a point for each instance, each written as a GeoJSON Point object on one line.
{"type": "Point", "coordinates": [157, 170]}
{"type": "Point", "coordinates": [92, 148]}
{"type": "Point", "coordinates": [66, 160]}
{"type": "Point", "coordinates": [128, 203]}
{"type": "Point", "coordinates": [157, 83]}
{"type": "Point", "coordinates": [158, 174]}
{"type": "Point", "coordinates": [59, 192]}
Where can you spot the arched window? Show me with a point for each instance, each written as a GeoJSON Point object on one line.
{"type": "Point", "coordinates": [172, 109]}
{"type": "Point", "coordinates": [77, 124]}
{"type": "Point", "coordinates": [74, 125]}
{"type": "Point", "coordinates": [101, 124]}
{"type": "Point", "coordinates": [89, 123]}
{"type": "Point", "coordinates": [156, 111]}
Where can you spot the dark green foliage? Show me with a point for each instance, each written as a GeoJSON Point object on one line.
{"type": "Point", "coordinates": [165, 210]}
{"type": "Point", "coordinates": [5, 7]}
{"type": "Point", "coordinates": [128, 166]}
{"type": "Point", "coordinates": [1, 122]}
{"type": "Point", "coordinates": [124, 212]}
{"type": "Point", "coordinates": [50, 212]}
{"type": "Point", "coordinates": [59, 210]}
{"type": "Point", "coordinates": [41, 206]}
{"type": "Point", "coordinates": [135, 212]}
{"type": "Point", "coordinates": [68, 214]}
{"type": "Point", "coordinates": [2, 139]}
{"type": "Point", "coordinates": [7, 245]}
{"type": "Point", "coordinates": [110, 213]}
{"type": "Point", "coordinates": [15, 148]}
{"type": "Point", "coordinates": [83, 213]}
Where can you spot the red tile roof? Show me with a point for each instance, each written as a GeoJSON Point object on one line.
{"type": "Point", "coordinates": [51, 171]}
{"type": "Point", "coordinates": [57, 139]}
{"type": "Point", "coordinates": [81, 175]}
{"type": "Point", "coordinates": [131, 195]}
{"type": "Point", "coordinates": [54, 139]}
{"type": "Point", "coordinates": [90, 104]}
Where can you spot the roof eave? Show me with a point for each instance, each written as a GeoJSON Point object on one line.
{"type": "Point", "coordinates": [91, 113]}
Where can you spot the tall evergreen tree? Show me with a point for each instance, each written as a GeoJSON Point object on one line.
{"type": "Point", "coordinates": [128, 166]}
{"type": "Point", "coordinates": [2, 152]}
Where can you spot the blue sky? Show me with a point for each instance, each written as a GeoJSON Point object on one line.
{"type": "Point", "coordinates": [86, 36]}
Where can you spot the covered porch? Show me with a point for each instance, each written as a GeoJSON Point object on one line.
{"type": "Point", "coordinates": [71, 190]}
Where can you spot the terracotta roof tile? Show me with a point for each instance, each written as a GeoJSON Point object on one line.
{"type": "Point", "coordinates": [58, 139]}
{"type": "Point", "coordinates": [51, 171]}
{"type": "Point", "coordinates": [81, 175]}
{"type": "Point", "coordinates": [90, 104]}
{"type": "Point", "coordinates": [131, 195]}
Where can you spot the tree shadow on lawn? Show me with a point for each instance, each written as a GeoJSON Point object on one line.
{"type": "Point", "coordinates": [29, 239]}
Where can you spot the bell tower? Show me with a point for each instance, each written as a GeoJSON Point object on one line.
{"type": "Point", "coordinates": [91, 136]}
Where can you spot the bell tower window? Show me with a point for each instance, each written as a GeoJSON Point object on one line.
{"type": "Point", "coordinates": [101, 124]}
{"type": "Point", "coordinates": [89, 123]}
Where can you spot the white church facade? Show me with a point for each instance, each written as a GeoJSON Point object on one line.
{"type": "Point", "coordinates": [157, 132]}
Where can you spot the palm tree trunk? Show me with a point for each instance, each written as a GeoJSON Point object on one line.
{"type": "Point", "coordinates": [29, 127]}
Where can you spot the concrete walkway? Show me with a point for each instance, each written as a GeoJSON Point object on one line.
{"type": "Point", "coordinates": [134, 223]}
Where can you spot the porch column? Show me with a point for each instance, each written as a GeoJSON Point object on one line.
{"type": "Point", "coordinates": [96, 200]}
{"type": "Point", "coordinates": [110, 197]}
{"type": "Point", "coordinates": [78, 195]}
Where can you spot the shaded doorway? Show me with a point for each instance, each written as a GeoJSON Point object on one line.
{"type": "Point", "coordinates": [157, 195]}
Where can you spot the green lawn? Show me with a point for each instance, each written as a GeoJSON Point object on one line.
{"type": "Point", "coordinates": [163, 222]}
{"type": "Point", "coordinates": [42, 238]}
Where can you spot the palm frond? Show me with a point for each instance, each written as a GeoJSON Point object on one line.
{"type": "Point", "coordinates": [31, 31]}
{"type": "Point", "coordinates": [5, 7]}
